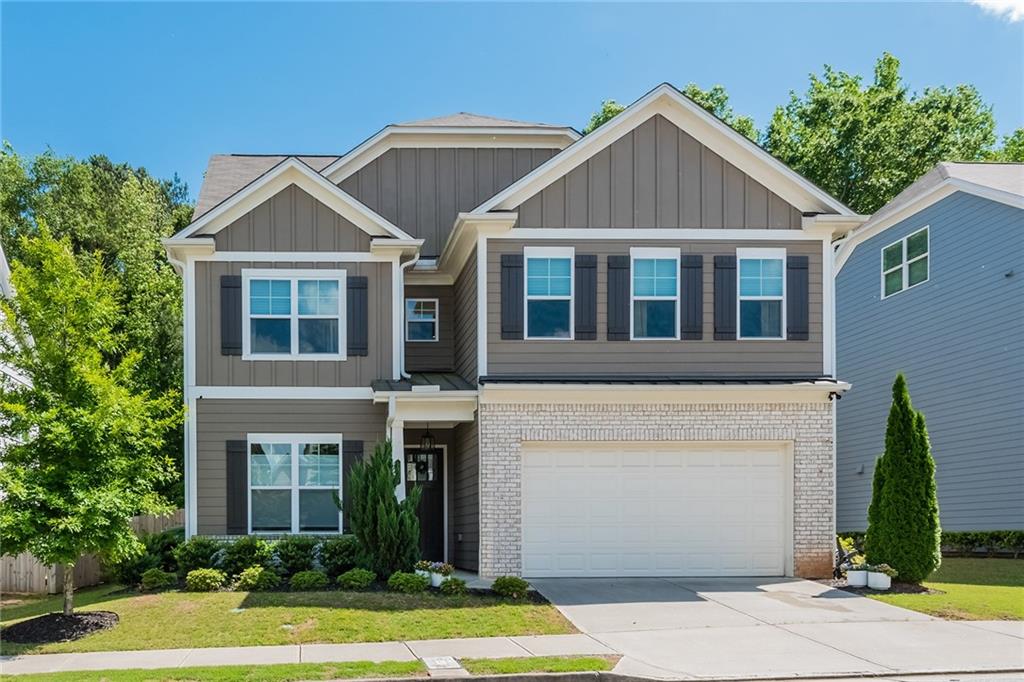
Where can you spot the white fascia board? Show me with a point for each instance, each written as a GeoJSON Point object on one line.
{"type": "Point", "coordinates": [288, 172]}
{"type": "Point", "coordinates": [180, 250]}
{"type": "Point", "coordinates": [396, 247]}
{"type": "Point", "coordinates": [410, 409]}
{"type": "Point", "coordinates": [463, 237]}
{"type": "Point", "coordinates": [568, 393]}
{"type": "Point", "coordinates": [696, 121]}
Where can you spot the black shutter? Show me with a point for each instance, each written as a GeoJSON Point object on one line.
{"type": "Point", "coordinates": [725, 298]}
{"type": "Point", "coordinates": [230, 315]}
{"type": "Point", "coordinates": [511, 296]}
{"type": "Point", "coordinates": [237, 492]}
{"type": "Point", "coordinates": [618, 298]}
{"type": "Point", "coordinates": [357, 318]}
{"type": "Point", "coordinates": [351, 452]}
{"type": "Point", "coordinates": [586, 298]}
{"type": "Point", "coordinates": [692, 278]}
{"type": "Point", "coordinates": [797, 298]}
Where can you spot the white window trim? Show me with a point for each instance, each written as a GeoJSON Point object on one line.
{"type": "Point", "coordinates": [642, 253]}
{"type": "Point", "coordinates": [753, 254]}
{"type": "Point", "coordinates": [292, 439]}
{"type": "Point", "coordinates": [549, 252]}
{"type": "Point", "coordinates": [437, 320]}
{"type": "Point", "coordinates": [294, 276]}
{"type": "Point", "coordinates": [904, 266]}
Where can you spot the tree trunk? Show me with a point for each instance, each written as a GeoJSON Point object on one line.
{"type": "Point", "coordinates": [69, 589]}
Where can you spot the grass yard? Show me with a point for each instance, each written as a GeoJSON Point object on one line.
{"type": "Point", "coordinates": [975, 589]}
{"type": "Point", "coordinates": [539, 664]}
{"type": "Point", "coordinates": [170, 620]}
{"type": "Point", "coordinates": [244, 673]}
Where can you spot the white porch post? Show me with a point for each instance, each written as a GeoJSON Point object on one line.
{"type": "Point", "coordinates": [396, 431]}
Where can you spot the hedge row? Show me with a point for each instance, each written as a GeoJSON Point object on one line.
{"type": "Point", "coordinates": [967, 543]}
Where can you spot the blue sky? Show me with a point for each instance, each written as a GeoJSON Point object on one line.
{"type": "Point", "coordinates": [164, 85]}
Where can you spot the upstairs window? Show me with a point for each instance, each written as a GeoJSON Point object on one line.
{"type": "Point", "coordinates": [549, 292]}
{"type": "Point", "coordinates": [762, 293]}
{"type": "Point", "coordinates": [905, 263]}
{"type": "Point", "coordinates": [293, 480]}
{"type": "Point", "coordinates": [655, 293]}
{"type": "Point", "coordinates": [293, 314]}
{"type": "Point", "coordinates": [420, 319]}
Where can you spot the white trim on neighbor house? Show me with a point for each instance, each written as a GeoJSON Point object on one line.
{"type": "Point", "coordinates": [696, 121]}
{"type": "Point", "coordinates": [760, 254]}
{"type": "Point", "coordinates": [655, 253]}
{"type": "Point", "coordinates": [436, 320]}
{"type": "Point", "coordinates": [904, 265]}
{"type": "Point", "coordinates": [561, 252]}
{"type": "Point", "coordinates": [292, 276]}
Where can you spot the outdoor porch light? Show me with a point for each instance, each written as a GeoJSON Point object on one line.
{"type": "Point", "coordinates": [427, 440]}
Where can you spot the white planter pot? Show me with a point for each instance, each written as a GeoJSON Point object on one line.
{"type": "Point", "coordinates": [436, 579]}
{"type": "Point", "coordinates": [879, 581]}
{"type": "Point", "coordinates": [420, 571]}
{"type": "Point", "coordinates": [857, 578]}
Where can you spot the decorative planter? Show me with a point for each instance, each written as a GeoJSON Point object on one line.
{"type": "Point", "coordinates": [420, 571]}
{"type": "Point", "coordinates": [857, 578]}
{"type": "Point", "coordinates": [436, 579]}
{"type": "Point", "coordinates": [879, 581]}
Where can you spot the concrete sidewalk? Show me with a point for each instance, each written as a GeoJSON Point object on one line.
{"type": "Point", "coordinates": [483, 647]}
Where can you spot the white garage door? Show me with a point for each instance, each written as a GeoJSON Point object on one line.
{"type": "Point", "coordinates": [642, 509]}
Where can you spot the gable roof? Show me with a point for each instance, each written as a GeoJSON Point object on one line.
{"type": "Point", "coordinates": [228, 173]}
{"type": "Point", "coordinates": [291, 170]}
{"type": "Point", "coordinates": [465, 119]}
{"type": "Point", "coordinates": [707, 129]}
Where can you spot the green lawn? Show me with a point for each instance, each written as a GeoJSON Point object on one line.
{"type": "Point", "coordinates": [170, 620]}
{"type": "Point", "coordinates": [539, 664]}
{"type": "Point", "coordinates": [243, 673]}
{"type": "Point", "coordinates": [975, 589]}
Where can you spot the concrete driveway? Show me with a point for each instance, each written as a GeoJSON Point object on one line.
{"type": "Point", "coordinates": [772, 627]}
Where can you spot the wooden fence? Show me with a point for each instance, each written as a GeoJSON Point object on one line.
{"type": "Point", "coordinates": [22, 573]}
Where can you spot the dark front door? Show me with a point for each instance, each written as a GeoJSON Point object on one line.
{"type": "Point", "coordinates": [425, 468]}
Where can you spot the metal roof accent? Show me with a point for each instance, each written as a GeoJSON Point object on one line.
{"type": "Point", "coordinates": [446, 381]}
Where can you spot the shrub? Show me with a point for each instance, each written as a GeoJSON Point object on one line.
{"type": "Point", "coordinates": [257, 579]}
{"type": "Point", "coordinates": [158, 552]}
{"type": "Point", "coordinates": [339, 555]}
{"type": "Point", "coordinates": [356, 579]}
{"type": "Point", "coordinates": [408, 583]}
{"type": "Point", "coordinates": [453, 586]}
{"type": "Point", "coordinates": [388, 529]}
{"type": "Point", "coordinates": [198, 552]}
{"type": "Point", "coordinates": [245, 552]}
{"type": "Point", "coordinates": [157, 579]}
{"type": "Point", "coordinates": [510, 586]}
{"type": "Point", "coordinates": [305, 581]}
{"type": "Point", "coordinates": [205, 580]}
{"type": "Point", "coordinates": [295, 553]}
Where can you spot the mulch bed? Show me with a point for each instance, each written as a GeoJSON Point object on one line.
{"type": "Point", "coordinates": [56, 627]}
{"type": "Point", "coordinates": [897, 588]}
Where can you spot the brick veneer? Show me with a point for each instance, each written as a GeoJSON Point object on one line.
{"type": "Point", "coordinates": [503, 427]}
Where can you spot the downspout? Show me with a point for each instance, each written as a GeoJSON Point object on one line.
{"type": "Point", "coordinates": [401, 284]}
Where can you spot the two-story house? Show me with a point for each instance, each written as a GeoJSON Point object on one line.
{"type": "Point", "coordinates": [598, 356]}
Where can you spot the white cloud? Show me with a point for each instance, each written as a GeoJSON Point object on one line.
{"type": "Point", "coordinates": [1011, 10]}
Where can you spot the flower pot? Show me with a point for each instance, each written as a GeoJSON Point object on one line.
{"type": "Point", "coordinates": [420, 571]}
{"type": "Point", "coordinates": [436, 579]}
{"type": "Point", "coordinates": [879, 581]}
{"type": "Point", "coordinates": [857, 578]}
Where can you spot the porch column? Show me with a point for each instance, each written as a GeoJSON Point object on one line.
{"type": "Point", "coordinates": [398, 454]}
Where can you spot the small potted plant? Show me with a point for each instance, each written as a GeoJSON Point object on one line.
{"type": "Point", "coordinates": [439, 572]}
{"type": "Point", "coordinates": [423, 568]}
{"type": "Point", "coordinates": [857, 575]}
{"type": "Point", "coordinates": [880, 576]}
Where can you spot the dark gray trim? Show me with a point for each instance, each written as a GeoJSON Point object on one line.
{"type": "Point", "coordinates": [237, 491]}
{"type": "Point", "coordinates": [446, 381]}
{"type": "Point", "coordinates": [586, 297]}
{"type": "Point", "coordinates": [725, 298]}
{"type": "Point", "coordinates": [351, 452]}
{"type": "Point", "coordinates": [512, 296]}
{"type": "Point", "coordinates": [666, 379]}
{"type": "Point", "coordinates": [691, 324]}
{"type": "Point", "coordinates": [618, 298]}
{"type": "Point", "coordinates": [797, 299]}
{"type": "Point", "coordinates": [357, 319]}
{"type": "Point", "coordinates": [230, 314]}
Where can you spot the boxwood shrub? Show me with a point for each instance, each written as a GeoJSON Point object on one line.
{"type": "Point", "coordinates": [157, 579]}
{"type": "Point", "coordinates": [408, 583]}
{"type": "Point", "coordinates": [257, 579]}
{"type": "Point", "coordinates": [245, 552]}
{"type": "Point", "coordinates": [510, 587]}
{"type": "Point", "coordinates": [205, 580]}
{"type": "Point", "coordinates": [295, 553]}
{"type": "Point", "coordinates": [198, 552]}
{"type": "Point", "coordinates": [338, 555]}
{"type": "Point", "coordinates": [356, 579]}
{"type": "Point", "coordinates": [305, 581]}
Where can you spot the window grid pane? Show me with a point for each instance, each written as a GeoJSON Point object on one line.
{"type": "Point", "coordinates": [270, 297]}
{"type": "Point", "coordinates": [275, 487]}
{"type": "Point", "coordinates": [549, 277]}
{"type": "Point", "coordinates": [655, 278]}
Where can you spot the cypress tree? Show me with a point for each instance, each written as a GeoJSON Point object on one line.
{"type": "Point", "coordinates": [903, 518]}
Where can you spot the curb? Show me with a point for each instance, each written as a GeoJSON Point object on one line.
{"type": "Point", "coordinates": [609, 676]}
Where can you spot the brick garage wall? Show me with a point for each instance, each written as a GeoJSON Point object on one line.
{"type": "Point", "coordinates": [503, 427]}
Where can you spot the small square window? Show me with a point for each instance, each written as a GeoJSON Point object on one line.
{"type": "Point", "coordinates": [905, 263]}
{"type": "Point", "coordinates": [762, 289]}
{"type": "Point", "coordinates": [655, 293]}
{"type": "Point", "coordinates": [549, 291]}
{"type": "Point", "coordinates": [421, 319]}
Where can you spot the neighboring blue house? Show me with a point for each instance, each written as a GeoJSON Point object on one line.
{"type": "Point", "coordinates": [933, 286]}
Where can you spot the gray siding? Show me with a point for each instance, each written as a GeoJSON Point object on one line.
{"type": "Point", "coordinates": [433, 356]}
{"type": "Point", "coordinates": [214, 369]}
{"type": "Point", "coordinates": [465, 320]}
{"type": "Point", "coordinates": [218, 421]}
{"type": "Point", "coordinates": [703, 357]}
{"type": "Point", "coordinates": [464, 498]}
{"type": "Point", "coordinates": [957, 337]}
{"type": "Point", "coordinates": [423, 190]}
{"type": "Point", "coordinates": [292, 220]}
{"type": "Point", "coordinates": [657, 176]}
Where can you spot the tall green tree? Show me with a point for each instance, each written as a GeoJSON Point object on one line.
{"type": "Point", "coordinates": [903, 517]}
{"type": "Point", "coordinates": [83, 443]}
{"type": "Point", "coordinates": [1012, 149]}
{"type": "Point", "coordinates": [118, 214]}
{"type": "Point", "coordinates": [865, 144]}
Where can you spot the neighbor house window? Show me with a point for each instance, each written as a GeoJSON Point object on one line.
{"type": "Point", "coordinates": [905, 263]}
{"type": "Point", "coordinates": [421, 319]}
{"type": "Point", "coordinates": [549, 291]}
{"type": "Point", "coordinates": [293, 480]}
{"type": "Point", "coordinates": [762, 293]}
{"type": "Point", "coordinates": [655, 293]}
{"type": "Point", "coordinates": [293, 314]}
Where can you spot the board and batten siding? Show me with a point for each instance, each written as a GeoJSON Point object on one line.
{"type": "Point", "coordinates": [219, 421]}
{"type": "Point", "coordinates": [432, 356]}
{"type": "Point", "coordinates": [705, 357]}
{"type": "Point", "coordinates": [423, 190]}
{"type": "Point", "coordinates": [464, 498]}
{"type": "Point", "coordinates": [657, 176]}
{"type": "Point", "coordinates": [958, 339]}
{"type": "Point", "coordinates": [215, 369]}
{"type": "Point", "coordinates": [465, 320]}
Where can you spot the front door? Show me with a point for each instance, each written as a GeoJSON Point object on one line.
{"type": "Point", "coordinates": [425, 468]}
